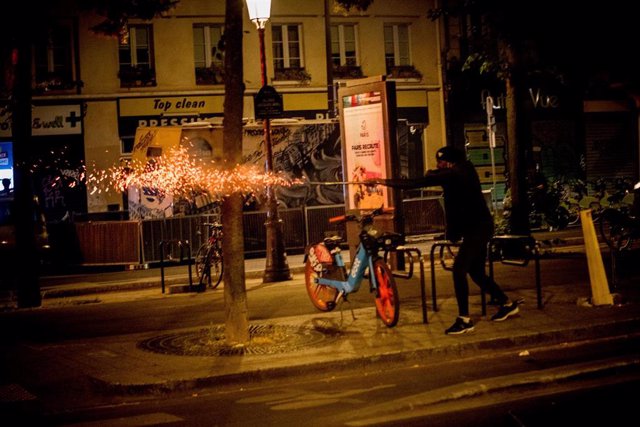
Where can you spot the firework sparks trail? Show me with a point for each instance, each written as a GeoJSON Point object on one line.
{"type": "Point", "coordinates": [181, 175]}
{"type": "Point", "coordinates": [337, 182]}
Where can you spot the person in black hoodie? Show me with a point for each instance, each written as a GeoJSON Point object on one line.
{"type": "Point", "coordinates": [468, 220]}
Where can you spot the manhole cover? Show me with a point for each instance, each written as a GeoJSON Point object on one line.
{"type": "Point", "coordinates": [264, 339]}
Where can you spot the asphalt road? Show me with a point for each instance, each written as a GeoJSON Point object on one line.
{"type": "Point", "coordinates": [400, 394]}
{"type": "Point", "coordinates": [384, 394]}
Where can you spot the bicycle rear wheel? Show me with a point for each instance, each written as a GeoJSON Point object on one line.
{"type": "Point", "coordinates": [320, 295]}
{"type": "Point", "coordinates": [203, 265]}
{"type": "Point", "coordinates": [216, 269]}
{"type": "Point", "coordinates": [387, 301]}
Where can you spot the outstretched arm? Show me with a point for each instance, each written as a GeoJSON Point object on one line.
{"type": "Point", "coordinates": [432, 178]}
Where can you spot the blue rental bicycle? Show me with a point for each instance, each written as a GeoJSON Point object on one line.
{"type": "Point", "coordinates": [326, 277]}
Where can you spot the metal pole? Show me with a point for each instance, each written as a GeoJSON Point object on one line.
{"type": "Point", "coordinates": [277, 268]}
{"type": "Point", "coordinates": [491, 131]}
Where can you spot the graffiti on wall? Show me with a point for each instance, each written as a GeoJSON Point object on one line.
{"type": "Point", "coordinates": [310, 153]}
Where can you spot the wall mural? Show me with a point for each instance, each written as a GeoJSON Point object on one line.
{"type": "Point", "coordinates": [307, 152]}
{"type": "Point", "coordinates": [58, 175]}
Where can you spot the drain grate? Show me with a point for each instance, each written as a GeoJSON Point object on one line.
{"type": "Point", "coordinates": [264, 339]}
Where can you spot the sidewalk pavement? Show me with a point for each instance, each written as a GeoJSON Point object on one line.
{"type": "Point", "coordinates": [180, 359]}
{"type": "Point", "coordinates": [125, 280]}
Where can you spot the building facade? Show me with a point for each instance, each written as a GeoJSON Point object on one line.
{"type": "Point", "coordinates": [92, 92]}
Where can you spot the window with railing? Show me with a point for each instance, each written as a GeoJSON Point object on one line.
{"type": "Point", "coordinates": [136, 57]}
{"type": "Point", "coordinates": [288, 58]}
{"type": "Point", "coordinates": [208, 52]}
{"type": "Point", "coordinates": [344, 51]}
{"type": "Point", "coordinates": [53, 59]}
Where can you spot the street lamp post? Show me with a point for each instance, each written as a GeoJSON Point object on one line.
{"type": "Point", "coordinates": [277, 268]}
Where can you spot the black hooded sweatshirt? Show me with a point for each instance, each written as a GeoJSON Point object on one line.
{"type": "Point", "coordinates": [466, 210]}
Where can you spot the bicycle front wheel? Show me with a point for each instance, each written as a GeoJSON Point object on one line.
{"type": "Point", "coordinates": [387, 301]}
{"type": "Point", "coordinates": [323, 297]}
{"type": "Point", "coordinates": [203, 265]}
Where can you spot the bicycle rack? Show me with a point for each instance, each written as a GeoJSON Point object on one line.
{"type": "Point", "coordinates": [409, 274]}
{"type": "Point", "coordinates": [182, 244]}
{"type": "Point", "coordinates": [441, 245]}
{"type": "Point", "coordinates": [529, 250]}
{"type": "Point", "coordinates": [613, 252]}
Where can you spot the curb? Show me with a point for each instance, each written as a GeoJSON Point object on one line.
{"type": "Point", "coordinates": [408, 408]}
{"type": "Point", "coordinates": [178, 281]}
{"type": "Point", "coordinates": [603, 330]}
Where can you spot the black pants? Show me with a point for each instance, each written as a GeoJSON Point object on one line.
{"type": "Point", "coordinates": [471, 259]}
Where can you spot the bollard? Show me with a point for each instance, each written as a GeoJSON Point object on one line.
{"type": "Point", "coordinates": [600, 293]}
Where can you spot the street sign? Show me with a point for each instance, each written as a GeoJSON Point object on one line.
{"type": "Point", "coordinates": [267, 103]}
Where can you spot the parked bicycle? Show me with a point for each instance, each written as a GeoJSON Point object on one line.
{"type": "Point", "coordinates": [328, 282]}
{"type": "Point", "coordinates": [620, 227]}
{"type": "Point", "coordinates": [209, 257]}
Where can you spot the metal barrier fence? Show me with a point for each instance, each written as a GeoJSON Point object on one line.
{"type": "Point", "coordinates": [301, 226]}
{"type": "Point", "coordinates": [179, 228]}
{"type": "Point", "coordinates": [317, 219]}
{"type": "Point", "coordinates": [255, 235]}
{"type": "Point", "coordinates": [423, 215]}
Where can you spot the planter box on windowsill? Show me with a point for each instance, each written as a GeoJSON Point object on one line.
{"type": "Point", "coordinates": [137, 78]}
{"type": "Point", "coordinates": [289, 83]}
{"type": "Point", "coordinates": [347, 72]}
{"type": "Point", "coordinates": [209, 76]}
{"type": "Point", "coordinates": [56, 86]}
{"type": "Point", "coordinates": [291, 77]}
{"type": "Point", "coordinates": [405, 79]}
{"type": "Point", "coordinates": [404, 74]}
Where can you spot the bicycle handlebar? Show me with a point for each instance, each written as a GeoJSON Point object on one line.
{"type": "Point", "coordinates": [213, 224]}
{"type": "Point", "coordinates": [350, 217]}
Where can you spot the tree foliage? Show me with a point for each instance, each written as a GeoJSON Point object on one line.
{"type": "Point", "coordinates": [117, 13]}
{"type": "Point", "coordinates": [574, 43]}
{"type": "Point", "coordinates": [346, 5]}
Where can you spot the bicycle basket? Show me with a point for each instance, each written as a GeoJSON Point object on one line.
{"type": "Point", "coordinates": [369, 242]}
{"type": "Point", "coordinates": [386, 241]}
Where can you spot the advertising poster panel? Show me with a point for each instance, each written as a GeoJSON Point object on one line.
{"type": "Point", "coordinates": [365, 157]}
{"type": "Point", "coordinates": [6, 167]}
{"type": "Point", "coordinates": [368, 121]}
{"type": "Point", "coordinates": [369, 149]}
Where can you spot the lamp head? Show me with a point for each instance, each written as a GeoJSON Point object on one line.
{"type": "Point", "coordinates": [259, 12]}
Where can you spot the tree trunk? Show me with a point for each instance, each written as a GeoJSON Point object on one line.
{"type": "Point", "coordinates": [235, 293]}
{"type": "Point", "coordinates": [28, 285]}
{"type": "Point", "coordinates": [519, 220]}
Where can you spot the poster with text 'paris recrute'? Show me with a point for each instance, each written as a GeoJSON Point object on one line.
{"type": "Point", "coordinates": [364, 150]}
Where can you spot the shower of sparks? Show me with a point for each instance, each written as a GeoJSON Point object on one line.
{"type": "Point", "coordinates": [182, 175]}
